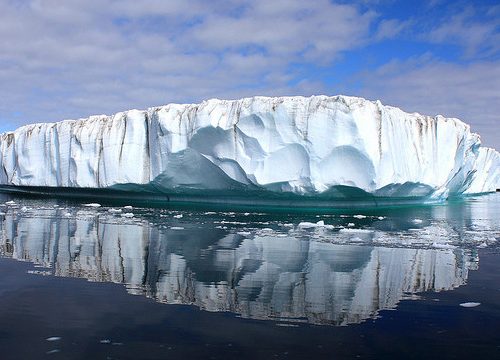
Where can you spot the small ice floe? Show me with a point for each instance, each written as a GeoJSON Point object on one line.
{"type": "Point", "coordinates": [39, 272]}
{"type": "Point", "coordinates": [359, 216]}
{"type": "Point", "coordinates": [307, 225]}
{"type": "Point", "coordinates": [178, 216]}
{"type": "Point", "coordinates": [68, 214]}
{"type": "Point", "coordinates": [92, 205]}
{"type": "Point", "coordinates": [127, 215]}
{"type": "Point", "coordinates": [115, 211]}
{"type": "Point", "coordinates": [53, 338]}
{"type": "Point", "coordinates": [350, 225]}
{"type": "Point", "coordinates": [469, 304]}
{"type": "Point", "coordinates": [105, 341]}
{"type": "Point", "coordinates": [366, 231]}
{"type": "Point", "coordinates": [246, 214]}
{"type": "Point", "coordinates": [244, 233]}
{"type": "Point", "coordinates": [55, 351]}
{"type": "Point", "coordinates": [442, 246]}
{"type": "Point", "coordinates": [381, 217]}
{"type": "Point", "coordinates": [417, 221]}
{"type": "Point", "coordinates": [128, 207]}
{"type": "Point", "coordinates": [10, 203]}
{"type": "Point", "coordinates": [2, 214]}
{"type": "Point", "coordinates": [176, 228]}
{"type": "Point", "coordinates": [25, 208]}
{"type": "Point", "coordinates": [310, 225]}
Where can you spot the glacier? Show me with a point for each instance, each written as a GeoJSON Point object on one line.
{"type": "Point", "coordinates": [301, 150]}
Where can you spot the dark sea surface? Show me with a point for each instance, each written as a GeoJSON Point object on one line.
{"type": "Point", "coordinates": [79, 281]}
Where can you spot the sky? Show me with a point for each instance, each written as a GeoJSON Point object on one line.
{"type": "Point", "coordinates": [71, 59]}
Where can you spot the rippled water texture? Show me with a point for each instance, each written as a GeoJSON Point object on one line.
{"type": "Point", "coordinates": [290, 272]}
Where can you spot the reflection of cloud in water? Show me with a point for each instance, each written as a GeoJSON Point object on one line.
{"type": "Point", "coordinates": [257, 276]}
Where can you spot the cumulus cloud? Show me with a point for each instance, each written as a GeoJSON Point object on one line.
{"type": "Point", "coordinates": [71, 59]}
{"type": "Point", "coordinates": [470, 92]}
{"type": "Point", "coordinates": [478, 35]}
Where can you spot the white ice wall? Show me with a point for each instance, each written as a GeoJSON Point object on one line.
{"type": "Point", "coordinates": [298, 144]}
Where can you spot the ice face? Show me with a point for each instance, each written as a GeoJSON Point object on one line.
{"type": "Point", "coordinates": [316, 146]}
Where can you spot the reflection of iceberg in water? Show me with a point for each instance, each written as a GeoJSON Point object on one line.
{"type": "Point", "coordinates": [259, 277]}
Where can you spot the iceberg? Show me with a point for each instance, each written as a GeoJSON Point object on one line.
{"type": "Point", "coordinates": [259, 150]}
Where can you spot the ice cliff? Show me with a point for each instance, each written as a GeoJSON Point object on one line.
{"type": "Point", "coordinates": [318, 146]}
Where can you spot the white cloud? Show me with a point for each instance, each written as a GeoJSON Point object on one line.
{"type": "Point", "coordinates": [468, 92]}
{"type": "Point", "coordinates": [75, 58]}
{"type": "Point", "coordinates": [477, 35]}
{"type": "Point", "coordinates": [390, 28]}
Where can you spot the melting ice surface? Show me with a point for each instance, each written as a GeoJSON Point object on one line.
{"type": "Point", "coordinates": [334, 269]}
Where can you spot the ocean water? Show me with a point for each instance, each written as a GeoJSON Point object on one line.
{"type": "Point", "coordinates": [82, 281]}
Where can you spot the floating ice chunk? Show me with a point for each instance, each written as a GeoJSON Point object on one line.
{"type": "Point", "coordinates": [381, 217]}
{"type": "Point", "coordinates": [244, 233]}
{"type": "Point", "coordinates": [2, 214]}
{"type": "Point", "coordinates": [359, 216]}
{"type": "Point", "coordinates": [307, 225]}
{"type": "Point", "coordinates": [105, 341]}
{"type": "Point", "coordinates": [469, 304]}
{"type": "Point", "coordinates": [39, 272]}
{"type": "Point", "coordinates": [442, 246]}
{"type": "Point", "coordinates": [351, 225]}
{"type": "Point", "coordinates": [178, 216]}
{"type": "Point", "coordinates": [115, 211]}
{"type": "Point", "coordinates": [319, 224]}
{"type": "Point", "coordinates": [10, 203]}
{"type": "Point", "coordinates": [67, 214]}
{"type": "Point", "coordinates": [127, 215]}
{"type": "Point", "coordinates": [366, 231]}
{"type": "Point", "coordinates": [53, 338]}
{"type": "Point", "coordinates": [128, 207]}
{"type": "Point", "coordinates": [179, 228]}
{"type": "Point", "coordinates": [55, 351]}
{"type": "Point", "coordinates": [92, 205]}
{"type": "Point", "coordinates": [417, 221]}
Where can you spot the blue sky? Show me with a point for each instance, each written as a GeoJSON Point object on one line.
{"type": "Point", "coordinates": [72, 59]}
